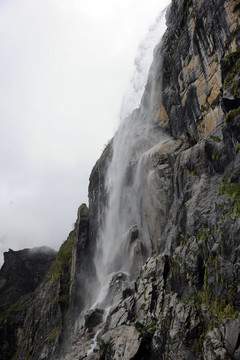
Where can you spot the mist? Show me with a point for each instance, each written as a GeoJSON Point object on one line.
{"type": "Point", "coordinates": [64, 68]}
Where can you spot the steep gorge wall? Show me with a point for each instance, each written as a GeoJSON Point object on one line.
{"type": "Point", "coordinates": [40, 319]}
{"type": "Point", "coordinates": [194, 48]}
{"type": "Point", "coordinates": [185, 304]}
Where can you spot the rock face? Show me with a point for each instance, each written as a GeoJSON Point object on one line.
{"type": "Point", "coordinates": [98, 195]}
{"type": "Point", "coordinates": [194, 49]}
{"type": "Point", "coordinates": [184, 302]}
{"type": "Point", "coordinates": [41, 317]}
{"type": "Point", "coordinates": [20, 275]}
{"type": "Point", "coordinates": [22, 272]}
{"type": "Point", "coordinates": [82, 266]}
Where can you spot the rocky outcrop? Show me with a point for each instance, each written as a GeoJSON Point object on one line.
{"type": "Point", "coordinates": [38, 324]}
{"type": "Point", "coordinates": [193, 50]}
{"type": "Point", "coordinates": [98, 195]}
{"type": "Point", "coordinates": [22, 272]}
{"type": "Point", "coordinates": [82, 266]}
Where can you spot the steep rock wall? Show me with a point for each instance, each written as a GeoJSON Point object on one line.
{"type": "Point", "coordinates": [199, 35]}
{"type": "Point", "coordinates": [98, 195]}
{"type": "Point", "coordinates": [185, 303]}
{"type": "Point", "coordinates": [41, 319]}
{"type": "Point", "coordinates": [22, 272]}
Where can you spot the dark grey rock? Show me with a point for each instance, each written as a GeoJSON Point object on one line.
{"type": "Point", "coordinates": [93, 318]}
{"type": "Point", "coordinates": [22, 272]}
{"type": "Point", "coordinates": [121, 343]}
{"type": "Point", "coordinates": [213, 347]}
{"type": "Point", "coordinates": [134, 233]}
{"type": "Point", "coordinates": [231, 336]}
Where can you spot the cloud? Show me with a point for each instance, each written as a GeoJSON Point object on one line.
{"type": "Point", "coordinates": [64, 66]}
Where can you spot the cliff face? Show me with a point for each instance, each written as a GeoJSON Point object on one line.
{"type": "Point", "coordinates": [194, 50]}
{"type": "Point", "coordinates": [22, 272]}
{"type": "Point", "coordinates": [98, 195]}
{"type": "Point", "coordinates": [35, 322]}
{"type": "Point", "coordinates": [185, 303]}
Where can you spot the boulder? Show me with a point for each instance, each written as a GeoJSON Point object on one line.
{"type": "Point", "coordinates": [121, 343]}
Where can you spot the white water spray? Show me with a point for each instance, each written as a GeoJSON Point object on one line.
{"type": "Point", "coordinates": [132, 97]}
{"type": "Point", "coordinates": [124, 240]}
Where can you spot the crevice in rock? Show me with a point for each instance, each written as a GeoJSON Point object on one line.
{"type": "Point", "coordinates": [144, 351]}
{"type": "Point", "coordinates": [231, 104]}
{"type": "Point", "coordinates": [166, 269]}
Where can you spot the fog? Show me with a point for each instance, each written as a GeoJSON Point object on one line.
{"type": "Point", "coordinates": [64, 67]}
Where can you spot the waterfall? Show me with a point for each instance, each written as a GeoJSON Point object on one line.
{"type": "Point", "coordinates": [124, 240]}
{"type": "Point", "coordinates": [143, 60]}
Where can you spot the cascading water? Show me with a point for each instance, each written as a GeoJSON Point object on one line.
{"type": "Point", "coordinates": [133, 95]}
{"type": "Point", "coordinates": [124, 241]}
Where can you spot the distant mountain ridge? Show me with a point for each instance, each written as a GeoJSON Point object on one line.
{"type": "Point", "coordinates": [22, 272]}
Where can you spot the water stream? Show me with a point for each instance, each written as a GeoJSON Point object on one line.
{"type": "Point", "coordinates": [124, 241]}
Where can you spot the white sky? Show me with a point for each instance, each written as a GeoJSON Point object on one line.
{"type": "Point", "coordinates": [64, 66]}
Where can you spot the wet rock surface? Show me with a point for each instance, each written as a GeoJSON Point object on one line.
{"type": "Point", "coordinates": [93, 318]}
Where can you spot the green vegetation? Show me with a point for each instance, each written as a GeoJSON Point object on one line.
{"type": "Point", "coordinates": [233, 55]}
{"type": "Point", "coordinates": [10, 314]}
{"type": "Point", "coordinates": [107, 151]}
{"type": "Point", "coordinates": [232, 80]}
{"type": "Point", "coordinates": [175, 267]}
{"type": "Point", "coordinates": [9, 320]}
{"type": "Point", "coordinates": [231, 114]}
{"type": "Point", "coordinates": [60, 270]}
{"type": "Point", "coordinates": [186, 11]}
{"type": "Point", "coordinates": [237, 147]}
{"type": "Point", "coordinates": [204, 232]}
{"type": "Point", "coordinates": [232, 190]}
{"type": "Point", "coordinates": [152, 276]}
{"type": "Point", "coordinates": [191, 173]}
{"type": "Point", "coordinates": [183, 239]}
{"type": "Point", "coordinates": [53, 333]}
{"type": "Point", "coordinates": [215, 138]}
{"type": "Point", "coordinates": [63, 258]}
{"type": "Point", "coordinates": [152, 326]}
{"type": "Point", "coordinates": [104, 350]}
{"type": "Point", "coordinates": [147, 329]}
{"type": "Point", "coordinates": [219, 309]}
{"type": "Point", "coordinates": [9, 323]}
{"type": "Point", "coordinates": [222, 306]}
{"type": "Point", "coordinates": [197, 343]}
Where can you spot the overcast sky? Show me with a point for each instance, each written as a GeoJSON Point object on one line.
{"type": "Point", "coordinates": [64, 66]}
